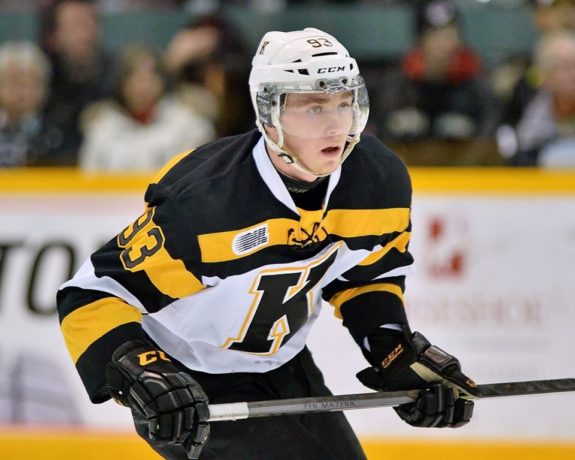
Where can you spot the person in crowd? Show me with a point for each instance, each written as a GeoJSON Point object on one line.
{"type": "Point", "coordinates": [24, 76]}
{"type": "Point", "coordinates": [208, 60]}
{"type": "Point", "coordinates": [521, 78]}
{"type": "Point", "coordinates": [19, 5]}
{"type": "Point", "coordinates": [209, 296]}
{"type": "Point", "coordinates": [123, 6]}
{"type": "Point", "coordinates": [545, 132]}
{"type": "Point", "coordinates": [143, 125]}
{"type": "Point", "coordinates": [438, 92]}
{"type": "Point", "coordinates": [82, 70]}
{"type": "Point", "coordinates": [553, 15]}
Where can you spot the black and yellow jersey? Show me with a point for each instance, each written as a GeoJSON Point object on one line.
{"type": "Point", "coordinates": [226, 274]}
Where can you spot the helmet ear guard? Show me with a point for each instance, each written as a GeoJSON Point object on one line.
{"type": "Point", "coordinates": [264, 106]}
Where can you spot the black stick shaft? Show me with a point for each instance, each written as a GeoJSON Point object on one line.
{"type": "Point", "coordinates": [532, 387]}
{"type": "Point", "coordinates": [242, 410]}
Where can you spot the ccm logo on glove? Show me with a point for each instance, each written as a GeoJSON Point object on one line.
{"type": "Point", "coordinates": [405, 361]}
{"type": "Point", "coordinates": [392, 356]}
{"type": "Point", "coordinates": [150, 357]}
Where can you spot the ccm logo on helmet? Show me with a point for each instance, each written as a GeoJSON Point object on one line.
{"type": "Point", "coordinates": [340, 68]}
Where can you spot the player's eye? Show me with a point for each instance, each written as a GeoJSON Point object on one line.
{"type": "Point", "coordinates": [315, 110]}
{"type": "Point", "coordinates": [344, 106]}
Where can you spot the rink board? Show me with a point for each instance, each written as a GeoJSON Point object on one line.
{"type": "Point", "coordinates": [495, 253]}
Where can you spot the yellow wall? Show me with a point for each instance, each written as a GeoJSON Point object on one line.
{"type": "Point", "coordinates": [428, 180]}
{"type": "Point", "coordinates": [466, 450]}
{"type": "Point", "coordinates": [76, 445]}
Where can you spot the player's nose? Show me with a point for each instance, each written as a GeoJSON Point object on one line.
{"type": "Point", "coordinates": [335, 123]}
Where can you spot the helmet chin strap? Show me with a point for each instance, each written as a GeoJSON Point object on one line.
{"type": "Point", "coordinates": [292, 160]}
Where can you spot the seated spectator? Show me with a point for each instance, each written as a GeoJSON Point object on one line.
{"type": "Point", "coordinates": [207, 59]}
{"type": "Point", "coordinates": [516, 81]}
{"type": "Point", "coordinates": [24, 74]}
{"type": "Point", "coordinates": [438, 92]}
{"type": "Point", "coordinates": [81, 70]}
{"type": "Point", "coordinates": [545, 132]}
{"type": "Point", "coordinates": [142, 127]}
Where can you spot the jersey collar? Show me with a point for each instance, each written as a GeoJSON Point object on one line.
{"type": "Point", "coordinates": [272, 178]}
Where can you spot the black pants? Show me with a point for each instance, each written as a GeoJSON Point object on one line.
{"type": "Point", "coordinates": [321, 436]}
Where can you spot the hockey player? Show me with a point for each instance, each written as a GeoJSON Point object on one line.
{"type": "Point", "coordinates": [210, 294]}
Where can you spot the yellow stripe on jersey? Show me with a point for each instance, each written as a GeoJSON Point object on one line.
{"type": "Point", "coordinates": [84, 326]}
{"type": "Point", "coordinates": [344, 296]}
{"type": "Point", "coordinates": [309, 218]}
{"type": "Point", "coordinates": [169, 165]}
{"type": "Point", "coordinates": [223, 246]}
{"type": "Point", "coordinates": [350, 223]}
{"type": "Point", "coordinates": [399, 243]}
{"type": "Point", "coordinates": [170, 276]}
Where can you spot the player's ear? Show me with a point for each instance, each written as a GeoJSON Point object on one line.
{"type": "Point", "coordinates": [272, 132]}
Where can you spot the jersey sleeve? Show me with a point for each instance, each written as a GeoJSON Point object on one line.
{"type": "Point", "coordinates": [371, 293]}
{"type": "Point", "coordinates": [146, 267]}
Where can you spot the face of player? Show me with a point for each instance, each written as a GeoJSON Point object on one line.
{"type": "Point", "coordinates": [315, 128]}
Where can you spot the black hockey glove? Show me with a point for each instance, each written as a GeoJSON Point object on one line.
{"type": "Point", "coordinates": [408, 361]}
{"type": "Point", "coordinates": [143, 378]}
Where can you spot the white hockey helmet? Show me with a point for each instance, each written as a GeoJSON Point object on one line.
{"type": "Point", "coordinates": [304, 61]}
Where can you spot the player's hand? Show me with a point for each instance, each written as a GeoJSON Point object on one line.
{"type": "Point", "coordinates": [143, 378]}
{"type": "Point", "coordinates": [408, 361]}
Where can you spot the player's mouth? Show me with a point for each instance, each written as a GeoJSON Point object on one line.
{"type": "Point", "coordinates": [331, 151]}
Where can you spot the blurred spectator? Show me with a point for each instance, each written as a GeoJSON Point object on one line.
{"type": "Point", "coordinates": [553, 15]}
{"type": "Point", "coordinates": [81, 70]}
{"type": "Point", "coordinates": [545, 132]}
{"type": "Point", "coordinates": [24, 74]}
{"type": "Point", "coordinates": [105, 6]}
{"type": "Point", "coordinates": [517, 81]}
{"type": "Point", "coordinates": [208, 61]}
{"type": "Point", "coordinates": [438, 92]}
{"type": "Point", "coordinates": [142, 127]}
{"type": "Point", "coordinates": [18, 5]}
{"type": "Point", "coordinates": [120, 6]}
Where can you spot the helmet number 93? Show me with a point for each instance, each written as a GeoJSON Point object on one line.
{"type": "Point", "coordinates": [319, 42]}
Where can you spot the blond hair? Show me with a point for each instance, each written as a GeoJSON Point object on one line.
{"type": "Point", "coordinates": [24, 54]}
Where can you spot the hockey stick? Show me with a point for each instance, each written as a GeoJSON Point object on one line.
{"type": "Point", "coordinates": [243, 410]}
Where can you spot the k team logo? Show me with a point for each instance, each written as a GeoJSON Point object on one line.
{"type": "Point", "coordinates": [252, 239]}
